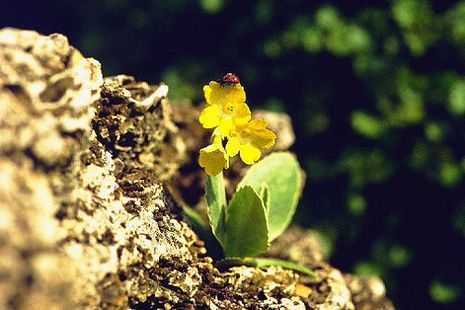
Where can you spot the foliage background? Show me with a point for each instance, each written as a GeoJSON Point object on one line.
{"type": "Point", "coordinates": [377, 96]}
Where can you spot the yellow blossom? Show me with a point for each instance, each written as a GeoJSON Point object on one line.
{"type": "Point", "coordinates": [229, 116]}
{"type": "Point", "coordinates": [226, 107]}
{"type": "Point", "coordinates": [214, 158]}
{"type": "Point", "coordinates": [248, 139]}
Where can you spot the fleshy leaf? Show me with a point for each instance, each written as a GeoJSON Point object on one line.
{"type": "Point", "coordinates": [246, 231]}
{"type": "Point", "coordinates": [216, 200]}
{"type": "Point", "coordinates": [265, 262]}
{"type": "Point", "coordinates": [281, 173]}
{"type": "Point", "coordinates": [264, 195]}
{"type": "Point", "coordinates": [202, 229]}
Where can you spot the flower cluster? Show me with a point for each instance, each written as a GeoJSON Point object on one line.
{"type": "Point", "coordinates": [230, 118]}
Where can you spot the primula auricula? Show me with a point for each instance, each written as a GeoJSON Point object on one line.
{"type": "Point", "coordinates": [229, 116]}
{"type": "Point", "coordinates": [265, 200]}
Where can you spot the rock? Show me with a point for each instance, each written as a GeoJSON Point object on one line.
{"type": "Point", "coordinates": [46, 93]}
{"type": "Point", "coordinates": [347, 291]}
{"type": "Point", "coordinates": [86, 220]}
{"type": "Point", "coordinates": [368, 293]}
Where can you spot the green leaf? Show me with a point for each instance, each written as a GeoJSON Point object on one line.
{"type": "Point", "coordinates": [367, 125]}
{"type": "Point", "coordinates": [246, 231]}
{"type": "Point", "coordinates": [216, 200]}
{"type": "Point", "coordinates": [202, 229]}
{"type": "Point", "coordinates": [264, 195]}
{"type": "Point", "coordinates": [443, 292]}
{"type": "Point", "coordinates": [457, 98]}
{"type": "Point", "coordinates": [281, 173]}
{"type": "Point", "coordinates": [264, 262]}
{"type": "Point", "coordinates": [194, 218]}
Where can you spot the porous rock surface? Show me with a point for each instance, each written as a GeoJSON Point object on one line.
{"type": "Point", "coordinates": [86, 220]}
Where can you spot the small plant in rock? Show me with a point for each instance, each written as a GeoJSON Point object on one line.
{"type": "Point", "coordinates": [265, 200]}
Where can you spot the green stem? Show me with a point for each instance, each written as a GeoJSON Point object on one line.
{"type": "Point", "coordinates": [215, 195]}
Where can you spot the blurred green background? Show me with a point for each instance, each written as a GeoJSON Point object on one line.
{"type": "Point", "coordinates": [377, 97]}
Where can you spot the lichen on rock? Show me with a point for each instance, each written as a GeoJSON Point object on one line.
{"type": "Point", "coordinates": [86, 219]}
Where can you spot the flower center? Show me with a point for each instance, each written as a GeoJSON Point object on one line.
{"type": "Point", "coordinates": [228, 108]}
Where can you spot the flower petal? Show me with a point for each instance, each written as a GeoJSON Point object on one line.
{"type": "Point", "coordinates": [209, 89]}
{"type": "Point", "coordinates": [249, 153]}
{"type": "Point", "coordinates": [259, 135]}
{"type": "Point", "coordinates": [258, 123]}
{"type": "Point", "coordinates": [213, 158]}
{"type": "Point", "coordinates": [218, 94]}
{"type": "Point", "coordinates": [216, 139]}
{"type": "Point", "coordinates": [225, 126]}
{"type": "Point", "coordinates": [232, 147]}
{"type": "Point", "coordinates": [209, 117]}
{"type": "Point", "coordinates": [243, 114]}
{"type": "Point", "coordinates": [237, 93]}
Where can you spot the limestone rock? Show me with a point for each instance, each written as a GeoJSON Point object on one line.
{"type": "Point", "coordinates": [46, 93]}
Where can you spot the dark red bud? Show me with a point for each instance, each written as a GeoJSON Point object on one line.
{"type": "Point", "coordinates": [230, 78]}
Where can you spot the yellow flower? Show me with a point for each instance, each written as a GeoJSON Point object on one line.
{"type": "Point", "coordinates": [226, 107]}
{"type": "Point", "coordinates": [247, 141]}
{"type": "Point", "coordinates": [230, 118]}
{"type": "Point", "coordinates": [214, 158]}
